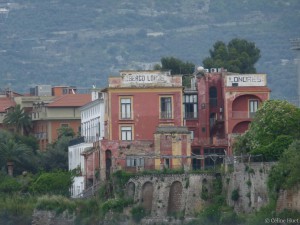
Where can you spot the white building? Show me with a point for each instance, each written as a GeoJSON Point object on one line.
{"type": "Point", "coordinates": [92, 130]}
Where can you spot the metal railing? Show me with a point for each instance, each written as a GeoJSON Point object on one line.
{"type": "Point", "coordinates": [191, 115]}
{"type": "Point", "coordinates": [166, 115]}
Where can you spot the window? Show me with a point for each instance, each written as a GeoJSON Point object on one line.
{"type": "Point", "coordinates": [134, 161]}
{"type": "Point", "coordinates": [166, 107]}
{"type": "Point", "coordinates": [192, 134]}
{"type": "Point", "coordinates": [126, 133]}
{"type": "Point", "coordinates": [125, 108]}
{"type": "Point", "coordinates": [213, 94]}
{"type": "Point", "coordinates": [64, 125]}
{"type": "Point", "coordinates": [253, 106]}
{"type": "Point", "coordinates": [190, 106]}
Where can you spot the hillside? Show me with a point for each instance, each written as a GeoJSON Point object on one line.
{"type": "Point", "coordinates": [82, 42]}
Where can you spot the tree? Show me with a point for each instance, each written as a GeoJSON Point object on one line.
{"type": "Point", "coordinates": [18, 119]}
{"type": "Point", "coordinates": [275, 126]}
{"type": "Point", "coordinates": [65, 132]}
{"type": "Point", "coordinates": [177, 67]}
{"type": "Point", "coordinates": [56, 155]}
{"type": "Point", "coordinates": [12, 152]}
{"type": "Point", "coordinates": [238, 56]}
{"type": "Point", "coordinates": [285, 174]}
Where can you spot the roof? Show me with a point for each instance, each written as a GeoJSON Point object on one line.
{"type": "Point", "coordinates": [71, 100]}
{"type": "Point", "coordinates": [6, 103]}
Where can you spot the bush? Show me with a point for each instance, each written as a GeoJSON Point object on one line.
{"type": "Point", "coordinates": [9, 185]}
{"type": "Point", "coordinates": [229, 218]}
{"type": "Point", "coordinates": [138, 213]}
{"type": "Point", "coordinates": [235, 195]}
{"type": "Point", "coordinates": [16, 209]}
{"type": "Point", "coordinates": [56, 203]}
{"type": "Point", "coordinates": [52, 183]}
{"type": "Point", "coordinates": [204, 193]}
{"type": "Point", "coordinates": [116, 205]}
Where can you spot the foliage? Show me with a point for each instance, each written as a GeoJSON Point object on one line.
{"type": "Point", "coordinates": [88, 211]}
{"type": "Point", "coordinates": [11, 151]}
{"type": "Point", "coordinates": [56, 203]}
{"type": "Point", "coordinates": [115, 204]}
{"type": "Point", "coordinates": [9, 185]}
{"type": "Point", "coordinates": [285, 174]}
{"type": "Point", "coordinates": [238, 56]}
{"type": "Point", "coordinates": [138, 213]}
{"type": "Point", "coordinates": [177, 66]}
{"type": "Point", "coordinates": [235, 195]}
{"type": "Point", "coordinates": [19, 119]}
{"type": "Point", "coordinates": [120, 178]}
{"type": "Point", "coordinates": [204, 193]}
{"type": "Point", "coordinates": [56, 155]}
{"type": "Point", "coordinates": [57, 182]}
{"type": "Point", "coordinates": [16, 209]}
{"type": "Point", "coordinates": [275, 125]}
{"type": "Point", "coordinates": [29, 140]}
{"type": "Point", "coordinates": [65, 132]}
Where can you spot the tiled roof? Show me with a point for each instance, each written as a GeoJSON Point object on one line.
{"type": "Point", "coordinates": [71, 100]}
{"type": "Point", "coordinates": [6, 103]}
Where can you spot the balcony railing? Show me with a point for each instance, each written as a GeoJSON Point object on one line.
{"type": "Point", "coordinates": [191, 115]}
{"type": "Point", "coordinates": [166, 115]}
{"type": "Point", "coordinates": [87, 139]}
{"type": "Point", "coordinates": [243, 115]}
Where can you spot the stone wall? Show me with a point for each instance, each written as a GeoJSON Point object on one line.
{"type": "Point", "coordinates": [41, 217]}
{"type": "Point", "coordinates": [250, 180]}
{"type": "Point", "coordinates": [171, 194]}
{"type": "Point", "coordinates": [289, 199]}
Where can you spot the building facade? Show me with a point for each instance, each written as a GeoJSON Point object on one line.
{"type": "Point", "coordinates": [62, 111]}
{"type": "Point", "coordinates": [139, 105]}
{"type": "Point", "coordinates": [220, 106]}
{"type": "Point", "coordinates": [83, 152]}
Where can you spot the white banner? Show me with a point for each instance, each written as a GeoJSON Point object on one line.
{"type": "Point", "coordinates": [246, 80]}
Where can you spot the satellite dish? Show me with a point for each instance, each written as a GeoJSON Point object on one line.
{"type": "Point", "coordinates": [200, 68]}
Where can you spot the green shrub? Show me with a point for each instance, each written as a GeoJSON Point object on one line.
{"type": "Point", "coordinates": [115, 205]}
{"type": "Point", "coordinates": [58, 183]}
{"type": "Point", "coordinates": [56, 203]}
{"type": "Point", "coordinates": [120, 178]}
{"type": "Point", "coordinates": [204, 193]}
{"type": "Point", "coordinates": [138, 213]}
{"type": "Point", "coordinates": [9, 185]}
{"type": "Point", "coordinates": [235, 195]}
{"type": "Point", "coordinates": [229, 218]}
{"type": "Point", "coordinates": [16, 209]}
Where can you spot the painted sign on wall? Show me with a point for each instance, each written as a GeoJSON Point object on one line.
{"type": "Point", "coordinates": [145, 77]}
{"type": "Point", "coordinates": [246, 80]}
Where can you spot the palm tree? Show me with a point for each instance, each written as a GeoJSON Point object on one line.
{"type": "Point", "coordinates": [19, 119]}
{"type": "Point", "coordinates": [12, 152]}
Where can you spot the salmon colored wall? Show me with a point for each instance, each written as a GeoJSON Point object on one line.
{"type": "Point", "coordinates": [145, 111]}
{"type": "Point", "coordinates": [56, 124]}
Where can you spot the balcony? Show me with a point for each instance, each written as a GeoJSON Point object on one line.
{"type": "Point", "coordinates": [191, 115]}
{"type": "Point", "coordinates": [79, 140]}
{"type": "Point", "coordinates": [166, 114]}
{"type": "Point", "coordinates": [243, 115]}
